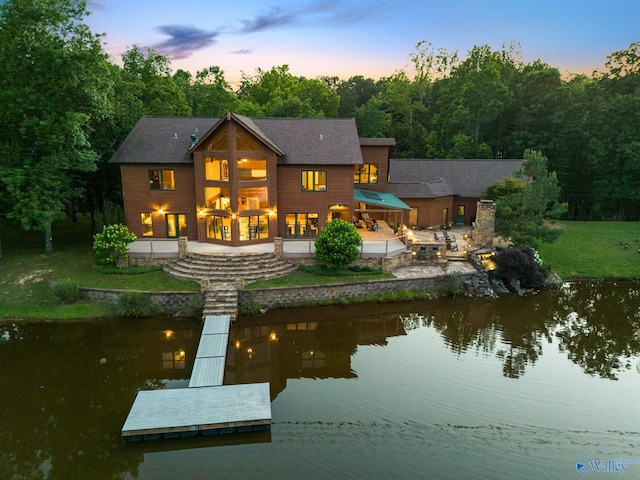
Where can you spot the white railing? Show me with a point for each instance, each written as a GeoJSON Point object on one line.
{"type": "Point", "coordinates": [302, 247]}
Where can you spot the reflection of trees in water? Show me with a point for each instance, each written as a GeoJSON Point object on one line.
{"type": "Point", "coordinates": [599, 325]}
{"type": "Point", "coordinates": [337, 340]}
{"type": "Point", "coordinates": [596, 323]}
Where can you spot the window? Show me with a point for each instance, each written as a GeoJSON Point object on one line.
{"type": "Point", "coordinates": [219, 142]}
{"type": "Point", "coordinates": [216, 169]}
{"type": "Point", "coordinates": [217, 198]}
{"type": "Point", "coordinates": [301, 224]}
{"type": "Point", "coordinates": [314, 181]}
{"type": "Point", "coordinates": [250, 169]}
{"type": "Point", "coordinates": [146, 219]}
{"type": "Point", "coordinates": [162, 180]}
{"type": "Point", "coordinates": [252, 198]}
{"type": "Point", "coordinates": [218, 227]}
{"type": "Point", "coordinates": [254, 227]}
{"type": "Point", "coordinates": [366, 173]}
{"type": "Point", "coordinates": [244, 142]}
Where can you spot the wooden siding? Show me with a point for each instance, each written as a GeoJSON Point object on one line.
{"type": "Point", "coordinates": [232, 154]}
{"type": "Point", "coordinates": [291, 198]}
{"type": "Point", "coordinates": [379, 155]}
{"type": "Point", "coordinates": [138, 198]}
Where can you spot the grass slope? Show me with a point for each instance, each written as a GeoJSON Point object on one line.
{"type": "Point", "coordinates": [26, 273]}
{"type": "Point", "coordinates": [595, 250]}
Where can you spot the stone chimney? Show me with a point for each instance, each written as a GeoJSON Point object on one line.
{"type": "Point", "coordinates": [484, 228]}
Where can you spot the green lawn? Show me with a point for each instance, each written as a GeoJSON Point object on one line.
{"type": "Point", "coordinates": [584, 250]}
{"type": "Point", "coordinates": [26, 273]}
{"type": "Point", "coordinates": [595, 250]}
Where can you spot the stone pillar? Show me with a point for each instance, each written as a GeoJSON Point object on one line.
{"type": "Point", "coordinates": [277, 247]}
{"type": "Point", "coordinates": [183, 247]}
{"type": "Point", "coordinates": [484, 228]}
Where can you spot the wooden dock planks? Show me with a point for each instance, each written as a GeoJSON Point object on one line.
{"type": "Point", "coordinates": [163, 412]}
{"type": "Point", "coordinates": [207, 372]}
{"type": "Point", "coordinates": [214, 324]}
{"type": "Point", "coordinates": [213, 346]}
{"type": "Point", "coordinates": [206, 406]}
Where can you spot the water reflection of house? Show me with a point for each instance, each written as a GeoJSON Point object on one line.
{"type": "Point", "coordinates": [169, 352]}
{"type": "Point", "coordinates": [279, 351]}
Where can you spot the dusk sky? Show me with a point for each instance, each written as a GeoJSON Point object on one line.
{"type": "Point", "coordinates": [344, 38]}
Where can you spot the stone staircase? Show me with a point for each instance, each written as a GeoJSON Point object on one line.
{"type": "Point", "coordinates": [219, 275]}
{"type": "Point", "coordinates": [228, 267]}
{"type": "Point", "coordinates": [221, 299]}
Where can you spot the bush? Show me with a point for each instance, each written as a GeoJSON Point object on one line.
{"type": "Point", "coordinates": [519, 263]}
{"type": "Point", "coordinates": [66, 291]}
{"type": "Point", "coordinates": [451, 284]}
{"type": "Point", "coordinates": [322, 270]}
{"type": "Point", "coordinates": [134, 304]}
{"type": "Point", "coordinates": [194, 307]}
{"type": "Point", "coordinates": [337, 245]}
{"type": "Point", "coordinates": [110, 245]}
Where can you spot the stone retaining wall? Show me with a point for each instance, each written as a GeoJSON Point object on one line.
{"type": "Point", "coordinates": [474, 284]}
{"type": "Point", "coordinates": [167, 301]}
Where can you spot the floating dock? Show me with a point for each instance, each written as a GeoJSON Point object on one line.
{"type": "Point", "coordinates": [206, 406]}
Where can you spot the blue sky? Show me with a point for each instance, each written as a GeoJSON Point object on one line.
{"type": "Point", "coordinates": [356, 37]}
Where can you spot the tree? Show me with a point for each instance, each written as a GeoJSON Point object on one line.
{"type": "Point", "coordinates": [337, 244]}
{"type": "Point", "coordinates": [54, 85]}
{"type": "Point", "coordinates": [521, 216]}
{"type": "Point", "coordinates": [210, 94]}
{"type": "Point", "coordinates": [280, 94]}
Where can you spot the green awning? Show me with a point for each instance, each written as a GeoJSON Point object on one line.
{"type": "Point", "coordinates": [380, 199]}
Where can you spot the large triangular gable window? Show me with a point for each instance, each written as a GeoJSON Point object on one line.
{"type": "Point", "coordinates": [246, 143]}
{"type": "Point", "coordinates": [219, 142]}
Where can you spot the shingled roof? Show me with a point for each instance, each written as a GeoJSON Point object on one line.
{"type": "Point", "coordinates": [304, 141]}
{"type": "Point", "coordinates": [415, 178]}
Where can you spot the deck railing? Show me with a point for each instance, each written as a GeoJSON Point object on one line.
{"type": "Point", "coordinates": [305, 248]}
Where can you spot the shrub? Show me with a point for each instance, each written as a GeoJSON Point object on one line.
{"type": "Point", "coordinates": [134, 304]}
{"type": "Point", "coordinates": [110, 245]}
{"type": "Point", "coordinates": [451, 284]}
{"type": "Point", "coordinates": [337, 245]}
{"type": "Point", "coordinates": [519, 263]}
{"type": "Point", "coordinates": [194, 307]}
{"type": "Point", "coordinates": [66, 291]}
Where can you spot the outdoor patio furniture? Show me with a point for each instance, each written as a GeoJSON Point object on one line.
{"type": "Point", "coordinates": [371, 223]}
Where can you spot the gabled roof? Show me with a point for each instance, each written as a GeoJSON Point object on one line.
{"type": "Point", "coordinates": [303, 141]}
{"type": "Point", "coordinates": [414, 178]}
{"type": "Point", "coordinates": [314, 141]}
{"type": "Point", "coordinates": [161, 140]}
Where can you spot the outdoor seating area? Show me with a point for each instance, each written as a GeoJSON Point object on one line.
{"type": "Point", "coordinates": [370, 223]}
{"type": "Point", "coordinates": [449, 239]}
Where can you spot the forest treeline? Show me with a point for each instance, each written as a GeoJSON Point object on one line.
{"type": "Point", "coordinates": [66, 107]}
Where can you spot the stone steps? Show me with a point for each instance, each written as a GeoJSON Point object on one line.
{"type": "Point", "coordinates": [221, 299]}
{"type": "Point", "coordinates": [225, 267]}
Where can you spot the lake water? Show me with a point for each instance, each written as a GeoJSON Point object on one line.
{"type": "Point", "coordinates": [452, 388]}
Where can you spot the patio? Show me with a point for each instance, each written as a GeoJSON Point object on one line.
{"type": "Point", "coordinates": [377, 243]}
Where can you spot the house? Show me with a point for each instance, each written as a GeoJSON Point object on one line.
{"type": "Point", "coordinates": [238, 181]}
{"type": "Point", "coordinates": [445, 192]}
